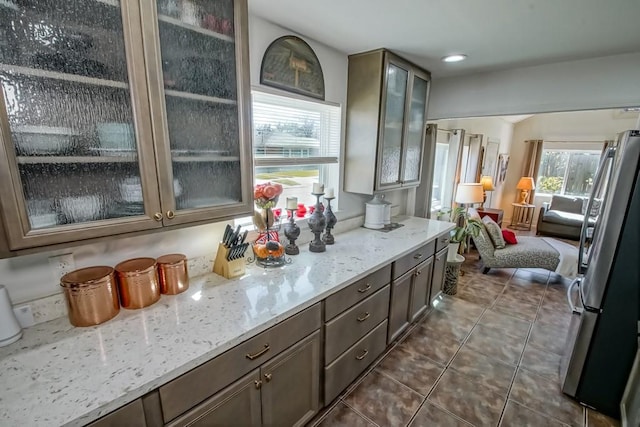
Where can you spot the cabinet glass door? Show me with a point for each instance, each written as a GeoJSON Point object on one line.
{"type": "Point", "coordinates": [415, 128]}
{"type": "Point", "coordinates": [390, 161]}
{"type": "Point", "coordinates": [71, 134]}
{"type": "Point", "coordinates": [197, 71]}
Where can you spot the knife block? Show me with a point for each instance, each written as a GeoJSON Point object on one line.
{"type": "Point", "coordinates": [225, 268]}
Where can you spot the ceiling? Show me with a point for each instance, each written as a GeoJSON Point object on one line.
{"type": "Point", "coordinates": [495, 34]}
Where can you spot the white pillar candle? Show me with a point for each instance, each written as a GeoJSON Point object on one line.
{"type": "Point", "coordinates": [292, 203]}
{"type": "Point", "coordinates": [318, 188]}
{"type": "Point", "coordinates": [329, 193]}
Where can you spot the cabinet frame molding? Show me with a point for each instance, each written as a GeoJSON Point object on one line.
{"type": "Point", "coordinates": [18, 231]}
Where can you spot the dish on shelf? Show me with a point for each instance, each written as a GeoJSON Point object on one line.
{"type": "Point", "coordinates": [116, 136]}
{"type": "Point", "coordinates": [203, 202]}
{"type": "Point", "coordinates": [81, 208]}
{"type": "Point", "coordinates": [43, 220]}
{"type": "Point", "coordinates": [114, 152]}
{"type": "Point", "coordinates": [200, 152]}
{"type": "Point", "coordinates": [32, 140]}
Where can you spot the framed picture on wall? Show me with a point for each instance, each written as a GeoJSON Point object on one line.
{"type": "Point", "coordinates": [290, 64]}
{"type": "Point", "coordinates": [503, 163]}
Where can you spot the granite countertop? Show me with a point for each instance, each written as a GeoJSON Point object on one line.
{"type": "Point", "coordinates": [58, 374]}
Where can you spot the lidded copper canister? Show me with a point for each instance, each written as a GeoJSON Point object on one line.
{"type": "Point", "coordinates": [138, 282]}
{"type": "Point", "coordinates": [91, 294]}
{"type": "Point", "coordinates": [173, 274]}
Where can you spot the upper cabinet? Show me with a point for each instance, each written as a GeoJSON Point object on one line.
{"type": "Point", "coordinates": [120, 117]}
{"type": "Point", "coordinates": [386, 122]}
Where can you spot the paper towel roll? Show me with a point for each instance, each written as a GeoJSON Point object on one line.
{"type": "Point", "coordinates": [10, 330]}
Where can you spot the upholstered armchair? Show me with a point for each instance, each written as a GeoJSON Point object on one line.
{"type": "Point", "coordinates": [529, 252]}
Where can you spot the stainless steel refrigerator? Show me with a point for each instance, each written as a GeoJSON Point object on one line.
{"type": "Point", "coordinates": [605, 299]}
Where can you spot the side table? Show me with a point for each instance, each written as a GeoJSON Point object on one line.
{"type": "Point", "coordinates": [451, 275]}
{"type": "Point", "coordinates": [522, 216]}
{"type": "Point", "coordinates": [494, 214]}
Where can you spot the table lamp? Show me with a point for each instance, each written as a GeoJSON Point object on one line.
{"type": "Point", "coordinates": [468, 194]}
{"type": "Point", "coordinates": [487, 185]}
{"type": "Point", "coordinates": [525, 185]}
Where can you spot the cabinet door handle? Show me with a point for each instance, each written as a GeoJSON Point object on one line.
{"type": "Point", "coordinates": [258, 384]}
{"type": "Point", "coordinates": [444, 240]}
{"type": "Point", "coordinates": [171, 214]}
{"type": "Point", "coordinates": [258, 354]}
{"type": "Point", "coordinates": [417, 256]}
{"type": "Point", "coordinates": [157, 216]}
{"type": "Point", "coordinates": [365, 289]}
{"type": "Point", "coordinates": [365, 317]}
{"type": "Point", "coordinates": [268, 377]}
{"type": "Point", "coordinates": [418, 273]}
{"type": "Point", "coordinates": [363, 355]}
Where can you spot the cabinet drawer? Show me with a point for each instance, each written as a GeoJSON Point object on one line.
{"type": "Point", "coordinates": [353, 324]}
{"type": "Point", "coordinates": [204, 381]}
{"type": "Point", "coordinates": [339, 374]}
{"type": "Point", "coordinates": [409, 261]}
{"type": "Point", "coordinates": [340, 301]}
{"type": "Point", "coordinates": [442, 241]}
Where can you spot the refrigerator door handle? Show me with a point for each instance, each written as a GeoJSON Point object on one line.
{"type": "Point", "coordinates": [596, 182]}
{"type": "Point", "coordinates": [574, 309]}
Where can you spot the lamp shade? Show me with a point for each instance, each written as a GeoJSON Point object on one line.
{"type": "Point", "coordinates": [526, 183]}
{"type": "Point", "coordinates": [487, 183]}
{"type": "Point", "coordinates": [469, 193]}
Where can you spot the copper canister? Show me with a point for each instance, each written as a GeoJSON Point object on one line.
{"type": "Point", "coordinates": [173, 274]}
{"type": "Point", "coordinates": [91, 294]}
{"type": "Point", "coordinates": [138, 282]}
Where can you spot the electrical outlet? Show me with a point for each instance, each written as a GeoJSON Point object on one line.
{"type": "Point", "coordinates": [61, 265]}
{"type": "Point", "coordinates": [24, 315]}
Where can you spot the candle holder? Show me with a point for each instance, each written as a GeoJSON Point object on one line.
{"type": "Point", "coordinates": [292, 232]}
{"type": "Point", "coordinates": [317, 222]}
{"type": "Point", "coordinates": [331, 222]}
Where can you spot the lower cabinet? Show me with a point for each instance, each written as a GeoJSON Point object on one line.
{"type": "Point", "coordinates": [439, 266]}
{"type": "Point", "coordinates": [283, 392]}
{"type": "Point", "coordinates": [291, 385]}
{"type": "Point", "coordinates": [399, 307]}
{"type": "Point", "coordinates": [420, 289]}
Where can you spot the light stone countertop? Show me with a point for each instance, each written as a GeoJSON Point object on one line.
{"type": "Point", "coordinates": [58, 374]}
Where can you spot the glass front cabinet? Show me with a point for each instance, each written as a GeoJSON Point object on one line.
{"type": "Point", "coordinates": [386, 122]}
{"type": "Point", "coordinates": [121, 116]}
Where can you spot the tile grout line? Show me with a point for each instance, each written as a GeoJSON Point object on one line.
{"type": "Point", "coordinates": [360, 414]}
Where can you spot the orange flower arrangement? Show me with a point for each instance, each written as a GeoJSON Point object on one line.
{"type": "Point", "coordinates": [266, 195]}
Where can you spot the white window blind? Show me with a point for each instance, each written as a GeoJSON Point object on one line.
{"type": "Point", "coordinates": [292, 131]}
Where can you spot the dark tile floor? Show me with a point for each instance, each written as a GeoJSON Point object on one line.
{"type": "Point", "coordinates": [488, 356]}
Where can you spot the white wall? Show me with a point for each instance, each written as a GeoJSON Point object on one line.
{"type": "Point", "coordinates": [30, 277]}
{"type": "Point", "coordinates": [581, 126]}
{"type": "Point", "coordinates": [494, 128]}
{"type": "Point", "coordinates": [588, 84]}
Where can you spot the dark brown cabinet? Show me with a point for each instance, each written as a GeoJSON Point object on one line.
{"type": "Point", "coordinates": [399, 307]}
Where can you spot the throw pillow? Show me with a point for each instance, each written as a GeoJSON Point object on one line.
{"type": "Point", "coordinates": [595, 208]}
{"type": "Point", "coordinates": [509, 237]}
{"type": "Point", "coordinates": [494, 232]}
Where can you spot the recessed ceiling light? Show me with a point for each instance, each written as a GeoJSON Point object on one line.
{"type": "Point", "coordinates": [454, 58]}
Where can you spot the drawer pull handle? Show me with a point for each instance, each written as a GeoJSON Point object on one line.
{"type": "Point", "coordinates": [417, 256]}
{"type": "Point", "coordinates": [363, 355]}
{"type": "Point", "coordinates": [258, 384]}
{"type": "Point", "coordinates": [171, 214]}
{"type": "Point", "coordinates": [258, 354]}
{"type": "Point", "coordinates": [268, 377]}
{"type": "Point", "coordinates": [365, 289]}
{"type": "Point", "coordinates": [444, 240]}
{"type": "Point", "coordinates": [365, 317]}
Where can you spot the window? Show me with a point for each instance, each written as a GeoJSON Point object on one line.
{"type": "Point", "coordinates": [439, 175]}
{"type": "Point", "coordinates": [569, 172]}
{"type": "Point", "coordinates": [296, 142]}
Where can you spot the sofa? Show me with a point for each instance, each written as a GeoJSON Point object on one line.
{"type": "Point", "coordinates": [563, 217]}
